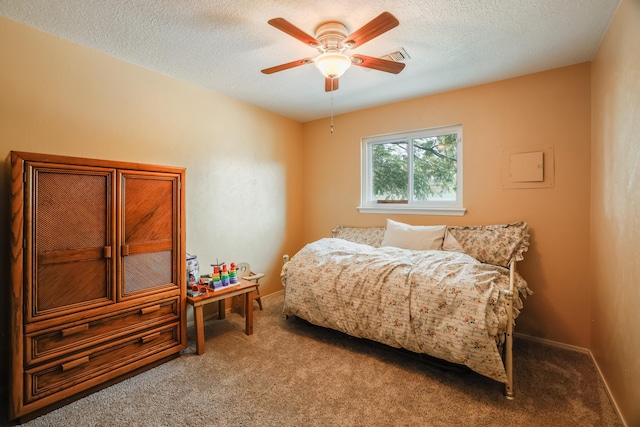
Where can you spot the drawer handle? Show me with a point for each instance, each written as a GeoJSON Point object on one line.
{"type": "Point", "coordinates": [151, 337]}
{"type": "Point", "coordinates": [151, 309]}
{"type": "Point", "coordinates": [75, 330]}
{"type": "Point", "coordinates": [75, 363]}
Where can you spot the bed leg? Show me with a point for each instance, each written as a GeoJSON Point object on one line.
{"type": "Point", "coordinates": [508, 356]}
{"type": "Point", "coordinates": [508, 345]}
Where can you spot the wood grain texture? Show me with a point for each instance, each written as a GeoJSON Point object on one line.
{"type": "Point", "coordinates": [377, 26]}
{"type": "Point", "coordinates": [295, 32]}
{"type": "Point", "coordinates": [16, 168]}
{"type": "Point", "coordinates": [378, 64]}
{"type": "Point", "coordinates": [68, 227]}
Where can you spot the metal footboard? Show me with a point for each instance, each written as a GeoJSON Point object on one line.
{"type": "Point", "coordinates": [508, 345]}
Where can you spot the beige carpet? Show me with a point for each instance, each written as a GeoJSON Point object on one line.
{"type": "Point", "coordinates": [290, 373]}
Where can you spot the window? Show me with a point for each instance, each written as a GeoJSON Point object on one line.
{"type": "Point", "coordinates": [413, 172]}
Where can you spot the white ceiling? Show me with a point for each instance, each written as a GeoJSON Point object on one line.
{"type": "Point", "coordinates": [222, 45]}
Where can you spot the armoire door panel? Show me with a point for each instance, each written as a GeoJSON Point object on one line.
{"type": "Point", "coordinates": [71, 211]}
{"type": "Point", "coordinates": [148, 252]}
{"type": "Point", "coordinates": [147, 270]}
{"type": "Point", "coordinates": [148, 208]}
{"type": "Point", "coordinates": [55, 291]}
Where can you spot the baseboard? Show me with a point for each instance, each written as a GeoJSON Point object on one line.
{"type": "Point", "coordinates": [580, 350]}
{"type": "Point", "coordinates": [273, 294]}
{"type": "Point", "coordinates": [607, 389]}
{"type": "Point", "coordinates": [552, 343]}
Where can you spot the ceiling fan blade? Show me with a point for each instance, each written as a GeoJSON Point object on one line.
{"type": "Point", "coordinates": [330, 84]}
{"type": "Point", "coordinates": [288, 65]}
{"type": "Point", "coordinates": [379, 25]}
{"type": "Point", "coordinates": [295, 32]}
{"type": "Point", "coordinates": [378, 64]}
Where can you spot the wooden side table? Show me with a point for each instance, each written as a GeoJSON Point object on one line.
{"type": "Point", "coordinates": [244, 288]}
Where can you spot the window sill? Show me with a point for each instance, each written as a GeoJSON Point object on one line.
{"type": "Point", "coordinates": [404, 209]}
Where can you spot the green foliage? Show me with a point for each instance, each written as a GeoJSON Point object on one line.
{"type": "Point", "coordinates": [391, 171]}
{"type": "Point", "coordinates": [434, 168]}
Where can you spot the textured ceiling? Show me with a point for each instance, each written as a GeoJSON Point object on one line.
{"type": "Point", "coordinates": [223, 45]}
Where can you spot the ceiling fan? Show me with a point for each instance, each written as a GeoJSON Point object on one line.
{"type": "Point", "coordinates": [332, 39]}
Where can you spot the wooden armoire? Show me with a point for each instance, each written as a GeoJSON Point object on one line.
{"type": "Point", "coordinates": [97, 274]}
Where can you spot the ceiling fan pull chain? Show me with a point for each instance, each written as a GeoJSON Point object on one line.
{"type": "Point", "coordinates": [331, 125]}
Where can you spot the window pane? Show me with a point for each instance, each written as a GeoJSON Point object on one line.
{"type": "Point", "coordinates": [434, 168]}
{"type": "Point", "coordinates": [415, 172]}
{"type": "Point", "coordinates": [391, 171]}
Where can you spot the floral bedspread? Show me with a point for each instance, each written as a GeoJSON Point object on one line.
{"type": "Point", "coordinates": [445, 304]}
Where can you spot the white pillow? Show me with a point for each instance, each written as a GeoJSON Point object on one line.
{"type": "Point", "coordinates": [451, 244]}
{"type": "Point", "coordinates": [416, 237]}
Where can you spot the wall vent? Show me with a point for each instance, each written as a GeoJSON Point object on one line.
{"type": "Point", "coordinates": [398, 55]}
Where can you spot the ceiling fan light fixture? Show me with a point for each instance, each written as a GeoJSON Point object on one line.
{"type": "Point", "coordinates": [333, 64]}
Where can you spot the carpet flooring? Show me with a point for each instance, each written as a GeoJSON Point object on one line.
{"type": "Point", "coordinates": [291, 373]}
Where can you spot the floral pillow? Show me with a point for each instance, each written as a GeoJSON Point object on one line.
{"type": "Point", "coordinates": [493, 244]}
{"type": "Point", "coordinates": [371, 236]}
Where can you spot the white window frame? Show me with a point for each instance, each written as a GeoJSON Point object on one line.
{"type": "Point", "coordinates": [368, 204]}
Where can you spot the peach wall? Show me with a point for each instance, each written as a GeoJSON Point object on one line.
{"type": "Point", "coordinates": [61, 98]}
{"type": "Point", "coordinates": [516, 115]}
{"type": "Point", "coordinates": [243, 190]}
{"type": "Point", "coordinates": [615, 209]}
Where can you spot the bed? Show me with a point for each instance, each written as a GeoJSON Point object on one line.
{"type": "Point", "coordinates": [451, 292]}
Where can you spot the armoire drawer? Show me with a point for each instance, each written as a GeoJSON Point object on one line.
{"type": "Point", "coordinates": [43, 346]}
{"type": "Point", "coordinates": [82, 370]}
